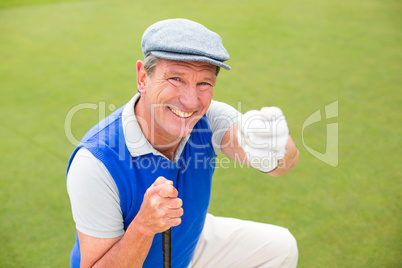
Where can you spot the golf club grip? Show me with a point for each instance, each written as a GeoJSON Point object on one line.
{"type": "Point", "coordinates": [167, 248]}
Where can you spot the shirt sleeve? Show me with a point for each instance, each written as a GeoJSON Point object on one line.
{"type": "Point", "coordinates": [221, 117]}
{"type": "Point", "coordinates": [94, 197]}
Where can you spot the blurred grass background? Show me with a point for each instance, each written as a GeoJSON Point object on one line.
{"type": "Point", "coordinates": [298, 55]}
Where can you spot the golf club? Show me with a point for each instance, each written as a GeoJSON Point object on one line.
{"type": "Point", "coordinates": [167, 248]}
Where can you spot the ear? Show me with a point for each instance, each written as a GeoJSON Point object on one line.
{"type": "Point", "coordinates": [141, 77]}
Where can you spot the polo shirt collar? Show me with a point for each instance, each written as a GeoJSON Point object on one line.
{"type": "Point", "coordinates": [135, 139]}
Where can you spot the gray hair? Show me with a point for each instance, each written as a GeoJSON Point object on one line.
{"type": "Point", "coordinates": [151, 61]}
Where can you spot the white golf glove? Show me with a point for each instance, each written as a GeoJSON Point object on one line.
{"type": "Point", "coordinates": [263, 135]}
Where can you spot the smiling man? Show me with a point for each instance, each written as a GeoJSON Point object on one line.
{"type": "Point", "coordinates": [174, 98]}
{"type": "Point", "coordinates": [149, 166]}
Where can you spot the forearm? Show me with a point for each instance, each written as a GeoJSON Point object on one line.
{"type": "Point", "coordinates": [130, 251]}
{"type": "Point", "coordinates": [289, 162]}
{"type": "Point", "coordinates": [234, 151]}
{"type": "Point", "coordinates": [161, 209]}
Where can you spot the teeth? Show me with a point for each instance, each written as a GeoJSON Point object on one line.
{"type": "Point", "coordinates": [180, 113]}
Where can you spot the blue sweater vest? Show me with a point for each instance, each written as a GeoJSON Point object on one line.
{"type": "Point", "coordinates": [191, 175]}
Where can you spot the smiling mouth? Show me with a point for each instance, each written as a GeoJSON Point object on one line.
{"type": "Point", "coordinates": [180, 113]}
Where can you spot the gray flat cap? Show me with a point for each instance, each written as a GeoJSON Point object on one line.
{"type": "Point", "coordinates": [184, 40]}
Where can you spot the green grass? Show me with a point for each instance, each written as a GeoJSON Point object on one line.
{"type": "Point", "coordinates": [299, 56]}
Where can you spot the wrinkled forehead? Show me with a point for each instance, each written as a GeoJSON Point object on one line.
{"type": "Point", "coordinates": [186, 67]}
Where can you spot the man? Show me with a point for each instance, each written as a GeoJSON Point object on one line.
{"type": "Point", "coordinates": [148, 166]}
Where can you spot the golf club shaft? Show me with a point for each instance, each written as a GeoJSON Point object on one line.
{"type": "Point", "coordinates": [167, 248]}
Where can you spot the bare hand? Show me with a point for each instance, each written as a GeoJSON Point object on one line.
{"type": "Point", "coordinates": [161, 208]}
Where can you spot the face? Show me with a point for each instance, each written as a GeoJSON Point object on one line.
{"type": "Point", "coordinates": [174, 98]}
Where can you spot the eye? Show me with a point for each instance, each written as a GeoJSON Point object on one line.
{"type": "Point", "coordinates": [205, 84]}
{"type": "Point", "coordinates": [175, 81]}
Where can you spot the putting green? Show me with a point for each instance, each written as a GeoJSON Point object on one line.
{"type": "Point", "coordinates": [56, 55]}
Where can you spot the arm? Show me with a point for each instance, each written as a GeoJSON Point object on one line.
{"type": "Point", "coordinates": [267, 126]}
{"type": "Point", "coordinates": [97, 213]}
{"type": "Point", "coordinates": [160, 210]}
{"type": "Point", "coordinates": [289, 162]}
{"type": "Point", "coordinates": [129, 250]}
{"type": "Point", "coordinates": [231, 147]}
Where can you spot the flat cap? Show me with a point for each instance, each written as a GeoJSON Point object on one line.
{"type": "Point", "coordinates": [184, 40]}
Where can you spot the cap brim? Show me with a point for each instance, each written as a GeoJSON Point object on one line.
{"type": "Point", "coordinates": [188, 57]}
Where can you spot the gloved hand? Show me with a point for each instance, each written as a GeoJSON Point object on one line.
{"type": "Point", "coordinates": [263, 135]}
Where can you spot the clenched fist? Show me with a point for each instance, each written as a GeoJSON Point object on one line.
{"type": "Point", "coordinates": [161, 208]}
{"type": "Point", "coordinates": [263, 135]}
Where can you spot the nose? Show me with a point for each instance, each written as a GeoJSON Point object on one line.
{"type": "Point", "coordinates": [189, 98]}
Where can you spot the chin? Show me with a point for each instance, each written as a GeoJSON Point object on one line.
{"type": "Point", "coordinates": [180, 132]}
